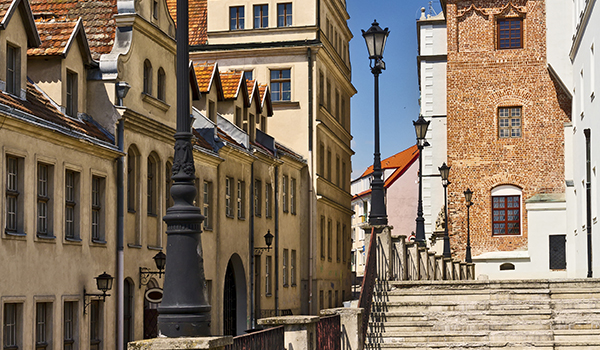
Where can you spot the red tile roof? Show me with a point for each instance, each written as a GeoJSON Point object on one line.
{"type": "Point", "coordinates": [231, 83]}
{"type": "Point", "coordinates": [398, 160]}
{"type": "Point", "coordinates": [197, 19]}
{"type": "Point", "coordinates": [204, 75]}
{"type": "Point", "coordinates": [4, 6]}
{"type": "Point", "coordinates": [39, 106]}
{"type": "Point", "coordinates": [98, 19]}
{"type": "Point", "coordinates": [55, 36]}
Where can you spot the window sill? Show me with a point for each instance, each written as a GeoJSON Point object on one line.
{"type": "Point", "coordinates": [229, 216]}
{"type": "Point", "coordinates": [242, 218]}
{"type": "Point", "coordinates": [46, 237]}
{"type": "Point", "coordinates": [286, 104]}
{"type": "Point", "coordinates": [153, 247]}
{"type": "Point", "coordinates": [136, 246]}
{"type": "Point", "coordinates": [15, 234]}
{"type": "Point", "coordinates": [99, 242]}
{"type": "Point", "coordinates": [131, 211]}
{"type": "Point", "coordinates": [152, 215]}
{"type": "Point", "coordinates": [268, 295]}
{"type": "Point", "coordinates": [207, 228]}
{"type": "Point", "coordinates": [257, 215]}
{"type": "Point", "coordinates": [73, 239]}
{"type": "Point", "coordinates": [151, 100]}
{"type": "Point", "coordinates": [294, 285]}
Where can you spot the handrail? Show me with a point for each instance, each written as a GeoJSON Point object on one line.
{"type": "Point", "coordinates": [368, 284]}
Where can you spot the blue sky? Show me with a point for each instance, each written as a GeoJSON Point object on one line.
{"type": "Point", "coordinates": [398, 84]}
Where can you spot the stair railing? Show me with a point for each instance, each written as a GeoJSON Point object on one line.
{"type": "Point", "coordinates": [368, 284]}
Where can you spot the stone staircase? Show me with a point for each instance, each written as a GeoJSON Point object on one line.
{"type": "Point", "coordinates": [519, 314]}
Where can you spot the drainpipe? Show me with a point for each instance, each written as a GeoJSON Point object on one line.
{"type": "Point", "coordinates": [120, 221]}
{"type": "Point", "coordinates": [311, 250]}
{"type": "Point", "coordinates": [588, 198]}
{"type": "Point", "coordinates": [277, 240]}
{"type": "Point", "coordinates": [251, 245]}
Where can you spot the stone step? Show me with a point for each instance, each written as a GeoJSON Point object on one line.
{"type": "Point", "coordinates": [454, 336]}
{"type": "Point", "coordinates": [445, 316]}
{"type": "Point", "coordinates": [576, 334]}
{"type": "Point", "coordinates": [541, 345]}
{"type": "Point", "coordinates": [416, 326]}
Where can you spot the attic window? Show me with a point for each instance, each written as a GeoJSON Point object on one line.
{"type": "Point", "coordinates": [155, 9]}
{"type": "Point", "coordinates": [13, 84]}
{"type": "Point", "coordinates": [71, 98]}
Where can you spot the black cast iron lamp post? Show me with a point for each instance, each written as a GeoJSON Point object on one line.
{"type": "Point", "coordinates": [421, 126]}
{"type": "Point", "coordinates": [444, 172]}
{"type": "Point", "coordinates": [375, 38]}
{"type": "Point", "coordinates": [468, 196]}
{"type": "Point", "coordinates": [184, 311]}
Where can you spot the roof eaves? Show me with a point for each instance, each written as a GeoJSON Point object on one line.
{"type": "Point", "coordinates": [33, 38]}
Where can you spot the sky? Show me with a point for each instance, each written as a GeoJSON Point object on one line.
{"type": "Point", "coordinates": [398, 84]}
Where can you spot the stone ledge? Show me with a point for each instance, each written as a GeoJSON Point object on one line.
{"type": "Point", "coordinates": [181, 343]}
{"type": "Point", "coordinates": [287, 320]}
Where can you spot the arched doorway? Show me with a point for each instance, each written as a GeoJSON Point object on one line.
{"type": "Point", "coordinates": [151, 309]}
{"type": "Point", "coordinates": [128, 318]}
{"type": "Point", "coordinates": [234, 297]}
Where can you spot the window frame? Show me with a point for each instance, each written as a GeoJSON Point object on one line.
{"type": "Point", "coordinates": [278, 84]}
{"type": "Point", "coordinates": [228, 208]}
{"type": "Point", "coordinates": [284, 268]}
{"type": "Point", "coordinates": [70, 325]}
{"type": "Point", "coordinates": [43, 325]}
{"type": "Point", "coordinates": [237, 22]}
{"type": "Point", "coordinates": [284, 193]}
{"type": "Point", "coordinates": [13, 69]}
{"type": "Point", "coordinates": [71, 94]}
{"type": "Point", "coordinates": [12, 327]}
{"type": "Point", "coordinates": [241, 199]}
{"type": "Point", "coordinates": [261, 16]}
{"type": "Point", "coordinates": [161, 84]}
{"type": "Point", "coordinates": [507, 191]}
{"type": "Point", "coordinates": [293, 196]}
{"type": "Point", "coordinates": [293, 268]}
{"type": "Point", "coordinates": [151, 186]}
{"type": "Point", "coordinates": [72, 178]}
{"type": "Point", "coordinates": [268, 200]}
{"type": "Point", "coordinates": [97, 207]}
{"type": "Point", "coordinates": [257, 197]}
{"type": "Point", "coordinates": [14, 200]}
{"type": "Point", "coordinates": [510, 118]}
{"type": "Point", "coordinates": [147, 82]}
{"type": "Point", "coordinates": [284, 19]}
{"type": "Point", "coordinates": [207, 204]}
{"type": "Point", "coordinates": [95, 324]}
{"type": "Point", "coordinates": [268, 278]}
{"type": "Point", "coordinates": [44, 200]}
{"type": "Point", "coordinates": [500, 31]}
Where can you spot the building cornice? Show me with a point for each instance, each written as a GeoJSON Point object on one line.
{"type": "Point", "coordinates": [334, 137]}
{"type": "Point", "coordinates": [331, 203]}
{"type": "Point", "coordinates": [148, 127]}
{"type": "Point", "coordinates": [584, 19]}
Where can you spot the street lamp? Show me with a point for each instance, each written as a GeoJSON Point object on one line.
{"type": "Point", "coordinates": [421, 126]}
{"type": "Point", "coordinates": [184, 311]}
{"type": "Point", "coordinates": [104, 283]}
{"type": "Point", "coordinates": [444, 172]}
{"type": "Point", "coordinates": [375, 38]}
{"type": "Point", "coordinates": [468, 195]}
{"type": "Point", "coordinates": [268, 241]}
{"type": "Point", "coordinates": [160, 259]}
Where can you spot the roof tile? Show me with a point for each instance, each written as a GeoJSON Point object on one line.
{"type": "Point", "coordinates": [230, 81]}
{"type": "Point", "coordinates": [197, 19]}
{"type": "Point", "coordinates": [55, 35]}
{"type": "Point", "coordinates": [204, 73]}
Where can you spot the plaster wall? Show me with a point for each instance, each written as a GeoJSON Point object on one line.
{"type": "Point", "coordinates": [14, 34]}
{"type": "Point", "coordinates": [401, 199]}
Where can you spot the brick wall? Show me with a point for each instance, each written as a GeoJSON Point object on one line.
{"type": "Point", "coordinates": [481, 79]}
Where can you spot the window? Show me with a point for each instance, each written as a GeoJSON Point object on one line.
{"type": "Point", "coordinates": [506, 210]}
{"type": "Point", "coordinates": [14, 200]}
{"type": "Point", "coordinates": [43, 324]}
{"type": "Point", "coordinates": [322, 240]}
{"type": "Point", "coordinates": [337, 171]}
{"type": "Point", "coordinates": [257, 195]}
{"type": "Point", "coordinates": [321, 301]}
{"type": "Point", "coordinates": [248, 74]}
{"type": "Point", "coordinates": [343, 112]}
{"type": "Point", "coordinates": [69, 325]}
{"type": "Point", "coordinates": [344, 243]}
{"type": "Point", "coordinates": [238, 117]}
{"type": "Point", "coordinates": [268, 275]}
{"type": "Point", "coordinates": [268, 194]}
{"type": "Point", "coordinates": [97, 209]}
{"type": "Point", "coordinates": [509, 122]}
{"type": "Point", "coordinates": [337, 105]}
{"type": "Point", "coordinates": [12, 326]}
{"type": "Point", "coordinates": [328, 96]}
{"type": "Point", "coordinates": [284, 267]}
{"type": "Point", "coordinates": [95, 325]}
{"type": "Point", "coordinates": [261, 17]}
{"type": "Point", "coordinates": [328, 175]}
{"type": "Point", "coordinates": [241, 196]}
{"type": "Point", "coordinates": [322, 160]}
{"type": "Point", "coordinates": [293, 196]}
{"type": "Point", "coordinates": [71, 207]}
{"type": "Point", "coordinates": [161, 84]}
{"type": "Point", "coordinates": [228, 212]}
{"type": "Point", "coordinates": [132, 178]}
{"type": "Point", "coordinates": [343, 176]}
{"type": "Point", "coordinates": [510, 33]}
{"type": "Point", "coordinates": [206, 205]}
{"type": "Point", "coordinates": [147, 77]}
{"type": "Point", "coordinates": [321, 89]}
{"type": "Point", "coordinates": [71, 100]}
{"type": "Point", "coordinates": [212, 111]}
{"type": "Point", "coordinates": [151, 186]}
{"type": "Point", "coordinates": [293, 268]}
{"type": "Point", "coordinates": [237, 17]}
{"type": "Point", "coordinates": [281, 82]}
{"type": "Point", "coordinates": [284, 15]}
{"type": "Point", "coordinates": [338, 246]}
{"type": "Point", "coordinates": [44, 195]}
{"type": "Point", "coordinates": [13, 83]}
{"type": "Point", "coordinates": [128, 314]}
{"type": "Point", "coordinates": [329, 241]}
{"type": "Point", "coordinates": [284, 193]}
{"type": "Point", "coordinates": [155, 9]}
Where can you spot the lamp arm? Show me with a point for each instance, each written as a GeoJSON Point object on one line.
{"type": "Point", "coordinates": [89, 298]}
{"type": "Point", "coordinates": [146, 273]}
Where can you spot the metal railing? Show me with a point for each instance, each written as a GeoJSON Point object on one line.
{"type": "Point", "coordinates": [271, 338]}
{"type": "Point", "coordinates": [329, 333]}
{"type": "Point", "coordinates": [366, 293]}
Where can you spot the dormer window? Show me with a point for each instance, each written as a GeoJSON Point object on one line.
{"type": "Point", "coordinates": [71, 98]}
{"type": "Point", "coordinates": [155, 9]}
{"type": "Point", "coordinates": [147, 77]}
{"type": "Point", "coordinates": [13, 84]}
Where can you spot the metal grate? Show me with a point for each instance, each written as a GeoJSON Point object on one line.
{"type": "Point", "coordinates": [558, 256]}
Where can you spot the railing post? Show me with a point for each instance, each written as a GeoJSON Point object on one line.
{"type": "Point", "coordinates": [423, 262]}
{"type": "Point", "coordinates": [350, 323]}
{"type": "Point", "coordinates": [300, 331]}
{"type": "Point", "coordinates": [448, 269]}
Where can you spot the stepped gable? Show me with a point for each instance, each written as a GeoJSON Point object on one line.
{"type": "Point", "coordinates": [40, 106]}
{"type": "Point", "coordinates": [197, 20]}
{"type": "Point", "coordinates": [98, 19]}
{"type": "Point", "coordinates": [55, 35]}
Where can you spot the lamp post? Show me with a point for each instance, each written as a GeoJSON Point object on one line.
{"type": "Point", "coordinates": [421, 126]}
{"type": "Point", "coordinates": [468, 195]}
{"type": "Point", "coordinates": [375, 38]}
{"type": "Point", "coordinates": [444, 172]}
{"type": "Point", "coordinates": [184, 311]}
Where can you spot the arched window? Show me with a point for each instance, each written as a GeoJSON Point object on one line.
{"type": "Point", "coordinates": [161, 84]}
{"type": "Point", "coordinates": [506, 210]}
{"type": "Point", "coordinates": [152, 184]}
{"type": "Point", "coordinates": [132, 176]}
{"type": "Point", "coordinates": [147, 77]}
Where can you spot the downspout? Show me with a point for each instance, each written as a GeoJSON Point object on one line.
{"type": "Point", "coordinates": [120, 230]}
{"type": "Point", "coordinates": [251, 245]}
{"type": "Point", "coordinates": [276, 240]}
{"type": "Point", "coordinates": [588, 198]}
{"type": "Point", "coordinates": [311, 223]}
{"type": "Point", "coordinates": [318, 20]}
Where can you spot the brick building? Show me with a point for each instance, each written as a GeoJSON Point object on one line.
{"type": "Point", "coordinates": [506, 112]}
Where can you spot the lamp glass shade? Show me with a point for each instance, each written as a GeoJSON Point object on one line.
{"type": "Point", "coordinates": [421, 126]}
{"type": "Point", "coordinates": [444, 171]}
{"type": "Point", "coordinates": [468, 195]}
{"type": "Point", "coordinates": [375, 38]}
{"type": "Point", "coordinates": [268, 238]}
{"type": "Point", "coordinates": [104, 282]}
{"type": "Point", "coordinates": [160, 259]}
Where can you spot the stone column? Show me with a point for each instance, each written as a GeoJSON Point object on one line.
{"type": "Point", "coordinates": [199, 343]}
{"type": "Point", "coordinates": [412, 262]}
{"type": "Point", "coordinates": [350, 323]}
{"type": "Point", "coordinates": [300, 331]}
{"type": "Point", "coordinates": [448, 269]}
{"type": "Point", "coordinates": [423, 260]}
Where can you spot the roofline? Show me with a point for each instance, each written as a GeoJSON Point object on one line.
{"type": "Point", "coordinates": [218, 47]}
{"type": "Point", "coordinates": [33, 37]}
